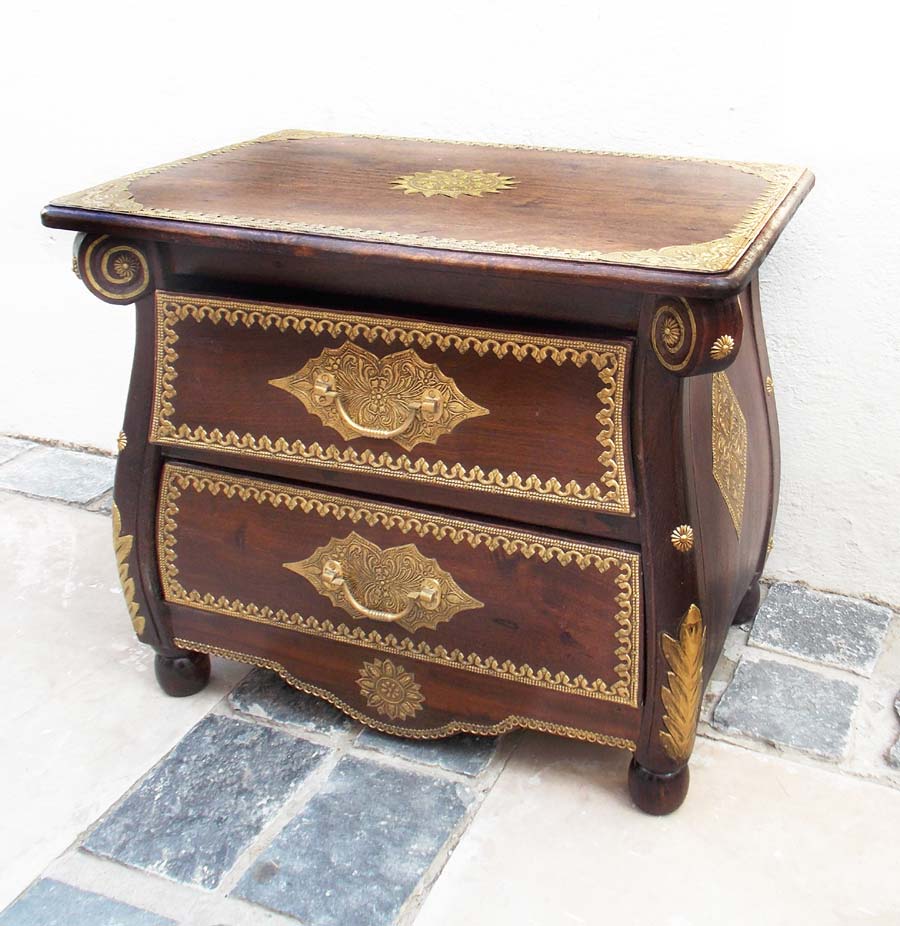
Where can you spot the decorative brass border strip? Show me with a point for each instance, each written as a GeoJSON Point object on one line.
{"type": "Point", "coordinates": [624, 690]}
{"type": "Point", "coordinates": [716, 256]}
{"type": "Point", "coordinates": [513, 722]}
{"type": "Point", "coordinates": [608, 359]}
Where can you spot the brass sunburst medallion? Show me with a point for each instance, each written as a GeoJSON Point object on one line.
{"type": "Point", "coordinates": [683, 538]}
{"type": "Point", "coordinates": [453, 183]}
{"type": "Point", "coordinates": [722, 347]}
{"type": "Point", "coordinates": [390, 689]}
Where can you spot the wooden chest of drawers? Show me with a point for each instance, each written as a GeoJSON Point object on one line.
{"type": "Point", "coordinates": [459, 437]}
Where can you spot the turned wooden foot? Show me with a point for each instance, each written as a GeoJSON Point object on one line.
{"type": "Point", "coordinates": [654, 793]}
{"type": "Point", "coordinates": [749, 605]}
{"type": "Point", "coordinates": [181, 673]}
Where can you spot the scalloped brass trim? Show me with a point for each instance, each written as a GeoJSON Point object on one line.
{"type": "Point", "coordinates": [609, 360]}
{"type": "Point", "coordinates": [510, 723]}
{"type": "Point", "coordinates": [716, 256]}
{"type": "Point", "coordinates": [624, 690]}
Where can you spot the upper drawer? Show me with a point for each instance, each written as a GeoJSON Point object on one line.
{"type": "Point", "coordinates": [535, 417]}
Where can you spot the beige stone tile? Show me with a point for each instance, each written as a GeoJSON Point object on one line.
{"type": "Point", "coordinates": [759, 840]}
{"type": "Point", "coordinates": [83, 717]}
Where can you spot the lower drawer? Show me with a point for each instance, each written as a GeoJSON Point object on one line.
{"type": "Point", "coordinates": [413, 622]}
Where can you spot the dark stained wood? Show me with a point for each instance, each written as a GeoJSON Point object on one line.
{"type": "Point", "coordinates": [542, 416]}
{"type": "Point", "coordinates": [657, 794]}
{"type": "Point", "coordinates": [451, 696]}
{"type": "Point", "coordinates": [347, 182]}
{"type": "Point", "coordinates": [253, 196]}
{"type": "Point", "coordinates": [243, 560]}
{"type": "Point", "coordinates": [538, 612]}
{"type": "Point", "coordinates": [182, 675]}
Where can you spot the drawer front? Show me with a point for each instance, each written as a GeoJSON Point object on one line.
{"type": "Point", "coordinates": [476, 410]}
{"type": "Point", "coordinates": [368, 601]}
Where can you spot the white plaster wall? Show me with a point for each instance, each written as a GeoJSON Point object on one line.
{"type": "Point", "coordinates": [92, 91]}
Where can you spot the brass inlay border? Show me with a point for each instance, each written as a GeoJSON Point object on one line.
{"type": "Point", "coordinates": [177, 478]}
{"type": "Point", "coordinates": [608, 359]}
{"type": "Point", "coordinates": [729, 447]}
{"type": "Point", "coordinates": [716, 256]}
{"type": "Point", "coordinates": [507, 725]}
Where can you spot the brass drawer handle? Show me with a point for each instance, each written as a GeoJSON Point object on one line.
{"type": "Point", "coordinates": [398, 397]}
{"type": "Point", "coordinates": [430, 406]}
{"type": "Point", "coordinates": [428, 596]}
{"type": "Point", "coordinates": [397, 585]}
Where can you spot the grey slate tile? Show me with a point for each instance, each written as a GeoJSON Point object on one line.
{"type": "Point", "coordinates": [12, 446]}
{"type": "Point", "coordinates": [51, 472]}
{"type": "Point", "coordinates": [894, 754]}
{"type": "Point", "coordinates": [194, 813]}
{"type": "Point", "coordinates": [788, 706]}
{"type": "Point", "coordinates": [359, 847]}
{"type": "Point", "coordinates": [464, 754]}
{"type": "Point", "coordinates": [263, 694]}
{"type": "Point", "coordinates": [52, 903]}
{"type": "Point", "coordinates": [831, 629]}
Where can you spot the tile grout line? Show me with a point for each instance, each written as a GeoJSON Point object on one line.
{"type": "Point", "coordinates": [186, 904]}
{"type": "Point", "coordinates": [303, 794]}
{"type": "Point", "coordinates": [413, 904]}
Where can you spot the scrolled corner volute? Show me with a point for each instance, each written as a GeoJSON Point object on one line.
{"type": "Point", "coordinates": [112, 269]}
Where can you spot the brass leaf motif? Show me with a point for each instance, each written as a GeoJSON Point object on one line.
{"type": "Point", "coordinates": [681, 696]}
{"type": "Point", "coordinates": [729, 447]}
{"type": "Point", "coordinates": [400, 397]}
{"type": "Point", "coordinates": [397, 585]}
{"type": "Point", "coordinates": [122, 543]}
{"type": "Point", "coordinates": [390, 689]}
{"type": "Point", "coordinates": [453, 183]}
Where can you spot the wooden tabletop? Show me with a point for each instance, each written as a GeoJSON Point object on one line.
{"type": "Point", "coordinates": [691, 215]}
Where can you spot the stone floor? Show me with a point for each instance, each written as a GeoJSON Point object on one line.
{"type": "Point", "coordinates": [251, 803]}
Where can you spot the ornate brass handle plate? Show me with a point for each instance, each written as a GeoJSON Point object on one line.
{"type": "Point", "coordinates": [397, 585]}
{"type": "Point", "coordinates": [399, 397]}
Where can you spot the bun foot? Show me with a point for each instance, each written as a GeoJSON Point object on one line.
{"type": "Point", "coordinates": [182, 673]}
{"type": "Point", "coordinates": [654, 793]}
{"type": "Point", "coordinates": [749, 605]}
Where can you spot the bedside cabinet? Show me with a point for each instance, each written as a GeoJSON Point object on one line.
{"type": "Point", "coordinates": [458, 437]}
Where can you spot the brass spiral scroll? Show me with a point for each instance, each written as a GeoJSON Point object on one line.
{"type": "Point", "coordinates": [113, 270]}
